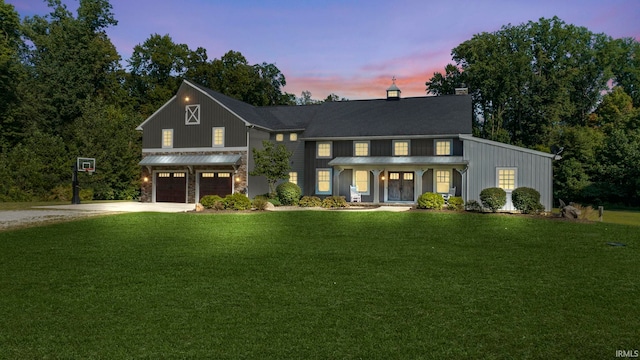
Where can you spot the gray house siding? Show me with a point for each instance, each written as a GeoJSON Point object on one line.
{"type": "Point", "coordinates": [296, 161]}
{"type": "Point", "coordinates": [311, 163]}
{"type": "Point", "coordinates": [380, 147]}
{"type": "Point", "coordinates": [427, 181]}
{"type": "Point", "coordinates": [534, 169]}
{"type": "Point", "coordinates": [212, 114]}
{"type": "Point", "coordinates": [257, 184]}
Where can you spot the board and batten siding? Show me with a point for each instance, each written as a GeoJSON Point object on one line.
{"type": "Point", "coordinates": [257, 185]}
{"type": "Point", "coordinates": [534, 168]}
{"type": "Point", "coordinates": [212, 114]}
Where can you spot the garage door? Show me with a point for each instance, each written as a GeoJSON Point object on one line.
{"type": "Point", "coordinates": [215, 183]}
{"type": "Point", "coordinates": [171, 187]}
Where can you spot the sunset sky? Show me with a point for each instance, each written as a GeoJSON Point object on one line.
{"type": "Point", "coordinates": [350, 48]}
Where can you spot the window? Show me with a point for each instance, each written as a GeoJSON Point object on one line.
{"type": "Point", "coordinates": [394, 176]}
{"type": "Point", "coordinates": [192, 115]}
{"type": "Point", "coordinates": [323, 150]}
{"type": "Point", "coordinates": [400, 148]}
{"type": "Point", "coordinates": [167, 138]}
{"type": "Point", "coordinates": [443, 147]}
{"type": "Point", "coordinates": [293, 177]}
{"type": "Point", "coordinates": [361, 148]}
{"type": "Point", "coordinates": [361, 180]}
{"type": "Point", "coordinates": [293, 137]}
{"type": "Point", "coordinates": [323, 181]}
{"type": "Point", "coordinates": [179, 175]}
{"type": "Point", "coordinates": [407, 176]}
{"type": "Point", "coordinates": [279, 137]}
{"type": "Point", "coordinates": [443, 181]}
{"type": "Point", "coordinates": [507, 178]}
{"type": "Point", "coordinates": [224, 175]}
{"type": "Point", "coordinates": [164, 175]}
{"type": "Point", "coordinates": [208, 175]}
{"type": "Point", "coordinates": [218, 137]}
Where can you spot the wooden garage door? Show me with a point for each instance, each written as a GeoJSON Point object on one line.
{"type": "Point", "coordinates": [215, 183]}
{"type": "Point", "coordinates": [171, 187]}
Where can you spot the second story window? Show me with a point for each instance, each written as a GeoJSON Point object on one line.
{"type": "Point", "coordinates": [361, 148]}
{"type": "Point", "coordinates": [443, 147]}
{"type": "Point", "coordinates": [167, 138]}
{"type": "Point", "coordinates": [293, 137]}
{"type": "Point", "coordinates": [192, 115]}
{"type": "Point", "coordinates": [323, 150]}
{"type": "Point", "coordinates": [279, 137]}
{"type": "Point", "coordinates": [218, 137]}
{"type": "Point", "coordinates": [401, 148]}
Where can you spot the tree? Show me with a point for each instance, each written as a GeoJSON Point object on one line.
{"type": "Point", "coordinates": [272, 162]}
{"type": "Point", "coordinates": [445, 84]}
{"type": "Point", "coordinates": [11, 73]}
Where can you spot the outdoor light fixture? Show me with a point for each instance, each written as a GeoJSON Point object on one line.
{"type": "Point", "coordinates": [186, 99]}
{"type": "Point", "coordinates": [237, 179]}
{"type": "Point", "coordinates": [146, 179]}
{"type": "Point", "coordinates": [382, 178]}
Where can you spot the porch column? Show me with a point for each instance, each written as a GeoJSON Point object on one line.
{"type": "Point", "coordinates": [336, 182]}
{"type": "Point", "coordinates": [418, 182]}
{"type": "Point", "coordinates": [376, 186]}
{"type": "Point", "coordinates": [464, 190]}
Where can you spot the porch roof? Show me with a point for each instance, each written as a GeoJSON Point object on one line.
{"type": "Point", "coordinates": [160, 160]}
{"type": "Point", "coordinates": [397, 160]}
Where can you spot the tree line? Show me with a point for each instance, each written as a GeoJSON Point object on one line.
{"type": "Point", "coordinates": [64, 93]}
{"type": "Point", "coordinates": [559, 88]}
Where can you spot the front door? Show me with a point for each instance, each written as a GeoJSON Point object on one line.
{"type": "Point", "coordinates": [400, 186]}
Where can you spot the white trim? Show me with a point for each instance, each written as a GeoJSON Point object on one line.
{"type": "Point", "coordinates": [506, 146]}
{"type": "Point", "coordinates": [153, 183]}
{"type": "Point", "coordinates": [198, 172]}
{"type": "Point", "coordinates": [189, 114]}
{"type": "Point", "coordinates": [435, 180]}
{"type": "Point", "coordinates": [515, 177]}
{"type": "Point", "coordinates": [380, 137]}
{"type": "Point", "coordinates": [199, 149]}
{"type": "Point", "coordinates": [435, 147]}
{"type": "Point", "coordinates": [353, 180]}
{"type": "Point", "coordinates": [139, 128]}
{"type": "Point", "coordinates": [329, 192]}
{"type": "Point", "coordinates": [393, 147]}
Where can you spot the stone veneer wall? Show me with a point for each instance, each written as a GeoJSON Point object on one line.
{"type": "Point", "coordinates": [146, 189]}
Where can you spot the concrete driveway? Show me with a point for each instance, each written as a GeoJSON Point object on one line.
{"type": "Point", "coordinates": [53, 213]}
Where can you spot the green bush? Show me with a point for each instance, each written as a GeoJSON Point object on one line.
{"type": "Point", "coordinates": [473, 205]}
{"type": "Point", "coordinates": [260, 202]}
{"type": "Point", "coordinates": [65, 193]}
{"type": "Point", "coordinates": [212, 202]}
{"type": "Point", "coordinates": [493, 198]}
{"type": "Point", "coordinates": [288, 193]}
{"type": "Point", "coordinates": [237, 201]}
{"type": "Point", "coordinates": [334, 202]}
{"type": "Point", "coordinates": [310, 201]}
{"type": "Point", "coordinates": [527, 200]}
{"type": "Point", "coordinates": [430, 200]}
{"type": "Point", "coordinates": [275, 201]}
{"type": "Point", "coordinates": [455, 203]}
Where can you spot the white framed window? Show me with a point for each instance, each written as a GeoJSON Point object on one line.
{"type": "Point", "coordinates": [443, 181]}
{"type": "Point", "coordinates": [506, 178]}
{"type": "Point", "coordinates": [167, 138]}
{"type": "Point", "coordinates": [279, 137]}
{"type": "Point", "coordinates": [361, 148]}
{"type": "Point", "coordinates": [323, 149]}
{"type": "Point", "coordinates": [218, 137]}
{"type": "Point", "coordinates": [192, 114]}
{"type": "Point", "coordinates": [361, 181]}
{"type": "Point", "coordinates": [293, 137]}
{"type": "Point", "coordinates": [400, 147]}
{"type": "Point", "coordinates": [293, 177]}
{"type": "Point", "coordinates": [323, 181]}
{"type": "Point", "coordinates": [443, 147]}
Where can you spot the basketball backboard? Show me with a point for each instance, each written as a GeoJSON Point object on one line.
{"type": "Point", "coordinates": [86, 165]}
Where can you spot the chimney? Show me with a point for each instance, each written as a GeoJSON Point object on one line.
{"type": "Point", "coordinates": [462, 90]}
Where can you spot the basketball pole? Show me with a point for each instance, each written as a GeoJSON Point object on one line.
{"type": "Point", "coordinates": [75, 185]}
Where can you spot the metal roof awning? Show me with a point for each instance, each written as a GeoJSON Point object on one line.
{"type": "Point", "coordinates": [190, 160]}
{"type": "Point", "coordinates": [397, 160]}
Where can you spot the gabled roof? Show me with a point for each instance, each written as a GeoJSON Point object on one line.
{"type": "Point", "coordinates": [429, 115]}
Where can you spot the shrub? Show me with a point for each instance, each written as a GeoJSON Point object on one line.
{"type": "Point", "coordinates": [455, 203]}
{"type": "Point", "coordinates": [260, 202]}
{"type": "Point", "coordinates": [473, 205]}
{"type": "Point", "coordinates": [65, 193]}
{"type": "Point", "coordinates": [527, 200]}
{"type": "Point", "coordinates": [275, 201]}
{"type": "Point", "coordinates": [237, 201]}
{"type": "Point", "coordinates": [212, 202]}
{"type": "Point", "coordinates": [430, 200]}
{"type": "Point", "coordinates": [288, 193]}
{"type": "Point", "coordinates": [310, 201]}
{"type": "Point", "coordinates": [493, 198]}
{"type": "Point", "coordinates": [334, 202]}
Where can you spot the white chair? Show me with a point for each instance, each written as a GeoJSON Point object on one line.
{"type": "Point", "coordinates": [452, 192]}
{"type": "Point", "coordinates": [355, 195]}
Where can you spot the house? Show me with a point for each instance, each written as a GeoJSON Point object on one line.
{"type": "Point", "coordinates": [392, 149]}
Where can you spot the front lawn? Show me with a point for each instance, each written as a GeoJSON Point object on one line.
{"type": "Point", "coordinates": [331, 284]}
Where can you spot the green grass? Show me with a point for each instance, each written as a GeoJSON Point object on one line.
{"type": "Point", "coordinates": [319, 285]}
{"type": "Point", "coordinates": [28, 205]}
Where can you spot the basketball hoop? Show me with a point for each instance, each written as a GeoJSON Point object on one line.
{"type": "Point", "coordinates": [89, 170]}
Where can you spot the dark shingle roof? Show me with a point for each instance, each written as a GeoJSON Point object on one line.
{"type": "Point", "coordinates": [430, 115]}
